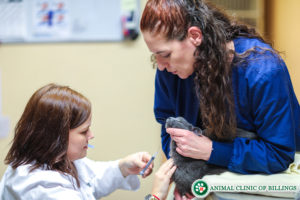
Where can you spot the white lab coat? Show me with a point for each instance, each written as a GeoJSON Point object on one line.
{"type": "Point", "coordinates": [97, 179]}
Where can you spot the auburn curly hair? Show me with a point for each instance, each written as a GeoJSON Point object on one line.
{"type": "Point", "coordinates": [213, 68]}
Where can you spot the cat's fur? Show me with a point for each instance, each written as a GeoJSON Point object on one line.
{"type": "Point", "coordinates": [189, 169]}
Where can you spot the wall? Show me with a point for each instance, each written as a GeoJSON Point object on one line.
{"type": "Point", "coordinates": [284, 30]}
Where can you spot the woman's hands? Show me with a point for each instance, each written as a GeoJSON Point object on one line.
{"type": "Point", "coordinates": [134, 163]}
{"type": "Point", "coordinates": [190, 144]}
{"type": "Point", "coordinates": [162, 179]}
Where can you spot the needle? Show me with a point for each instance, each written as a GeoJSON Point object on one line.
{"type": "Point", "coordinates": [148, 164]}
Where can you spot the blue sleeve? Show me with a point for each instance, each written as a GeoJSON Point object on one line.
{"type": "Point", "coordinates": [274, 114]}
{"type": "Point", "coordinates": [163, 108]}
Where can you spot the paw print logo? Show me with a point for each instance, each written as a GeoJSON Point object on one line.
{"type": "Point", "coordinates": [200, 188]}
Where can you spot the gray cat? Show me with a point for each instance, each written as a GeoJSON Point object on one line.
{"type": "Point", "coordinates": [189, 169]}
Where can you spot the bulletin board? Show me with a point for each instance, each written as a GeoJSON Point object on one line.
{"type": "Point", "coordinates": [23, 21]}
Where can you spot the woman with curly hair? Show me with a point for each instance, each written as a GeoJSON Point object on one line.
{"type": "Point", "coordinates": [220, 75]}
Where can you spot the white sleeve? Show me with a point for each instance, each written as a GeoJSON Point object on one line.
{"type": "Point", "coordinates": [54, 192]}
{"type": "Point", "coordinates": [46, 185]}
{"type": "Point", "coordinates": [104, 177]}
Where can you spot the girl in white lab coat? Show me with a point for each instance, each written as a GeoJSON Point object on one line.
{"type": "Point", "coordinates": [47, 157]}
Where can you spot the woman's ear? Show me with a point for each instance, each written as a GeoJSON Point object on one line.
{"type": "Point", "coordinates": [195, 35]}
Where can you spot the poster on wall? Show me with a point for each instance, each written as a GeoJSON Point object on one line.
{"type": "Point", "coordinates": [51, 19]}
{"type": "Point", "coordinates": [65, 20]}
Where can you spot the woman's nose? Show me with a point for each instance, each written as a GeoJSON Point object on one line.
{"type": "Point", "coordinates": [162, 66]}
{"type": "Point", "coordinates": [90, 135]}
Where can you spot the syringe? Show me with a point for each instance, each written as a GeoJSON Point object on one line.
{"type": "Point", "coordinates": [148, 164]}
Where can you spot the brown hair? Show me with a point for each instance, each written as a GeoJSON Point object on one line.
{"type": "Point", "coordinates": [213, 70]}
{"type": "Point", "coordinates": [42, 134]}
